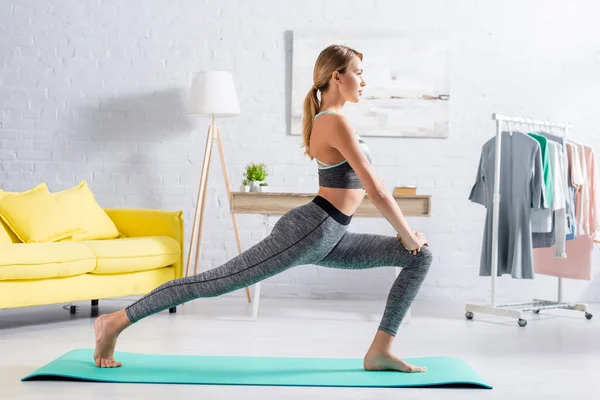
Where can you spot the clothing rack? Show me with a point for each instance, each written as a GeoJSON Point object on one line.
{"type": "Point", "coordinates": [516, 310]}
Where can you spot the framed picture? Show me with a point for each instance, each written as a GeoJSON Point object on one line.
{"type": "Point", "coordinates": [407, 77]}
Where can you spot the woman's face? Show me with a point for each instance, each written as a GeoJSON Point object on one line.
{"type": "Point", "coordinates": [352, 82]}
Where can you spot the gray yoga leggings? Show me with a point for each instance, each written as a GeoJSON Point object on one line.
{"type": "Point", "coordinates": [315, 233]}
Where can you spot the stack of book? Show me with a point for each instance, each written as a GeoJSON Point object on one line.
{"type": "Point", "coordinates": [405, 190]}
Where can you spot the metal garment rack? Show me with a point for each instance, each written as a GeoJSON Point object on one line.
{"type": "Point", "coordinates": [516, 310]}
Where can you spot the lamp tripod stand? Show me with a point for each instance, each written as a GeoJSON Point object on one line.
{"type": "Point", "coordinates": [214, 133]}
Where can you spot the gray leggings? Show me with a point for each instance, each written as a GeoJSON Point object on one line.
{"type": "Point", "coordinates": [315, 233]}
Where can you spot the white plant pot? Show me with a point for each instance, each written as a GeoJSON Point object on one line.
{"type": "Point", "coordinates": [254, 186]}
{"type": "Point", "coordinates": [244, 188]}
{"type": "Point", "coordinates": [263, 189]}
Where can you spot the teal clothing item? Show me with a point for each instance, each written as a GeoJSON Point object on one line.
{"type": "Point", "coordinates": [548, 192]}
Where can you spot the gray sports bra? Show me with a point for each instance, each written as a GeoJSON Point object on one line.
{"type": "Point", "coordinates": [341, 175]}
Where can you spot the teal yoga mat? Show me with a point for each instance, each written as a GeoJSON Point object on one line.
{"type": "Point", "coordinates": [267, 371]}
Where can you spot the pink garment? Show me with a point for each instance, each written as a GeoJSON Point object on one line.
{"type": "Point", "coordinates": [578, 264]}
{"type": "Point", "coordinates": [583, 195]}
{"type": "Point", "coordinates": [593, 222]}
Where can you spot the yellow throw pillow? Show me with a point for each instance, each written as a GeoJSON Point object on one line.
{"type": "Point", "coordinates": [6, 194]}
{"type": "Point", "coordinates": [89, 214]}
{"type": "Point", "coordinates": [35, 216]}
{"type": "Point", "coordinates": [6, 234]}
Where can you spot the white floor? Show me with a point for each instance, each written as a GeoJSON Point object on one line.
{"type": "Point", "coordinates": [556, 356]}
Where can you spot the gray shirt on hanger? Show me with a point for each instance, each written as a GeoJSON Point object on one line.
{"type": "Point", "coordinates": [521, 188]}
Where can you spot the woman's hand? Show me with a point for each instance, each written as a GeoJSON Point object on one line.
{"type": "Point", "coordinates": [414, 244]}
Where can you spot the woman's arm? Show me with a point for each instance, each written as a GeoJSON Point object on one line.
{"type": "Point", "coordinates": [344, 140]}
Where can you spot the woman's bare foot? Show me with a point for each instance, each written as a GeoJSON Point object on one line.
{"type": "Point", "coordinates": [107, 328]}
{"type": "Point", "coordinates": [385, 361]}
{"type": "Point", "coordinates": [380, 357]}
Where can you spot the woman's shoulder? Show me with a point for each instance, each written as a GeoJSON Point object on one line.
{"type": "Point", "coordinates": [334, 121]}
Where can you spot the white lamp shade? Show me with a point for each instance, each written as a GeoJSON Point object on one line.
{"type": "Point", "coordinates": [213, 93]}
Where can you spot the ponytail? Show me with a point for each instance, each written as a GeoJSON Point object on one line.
{"type": "Point", "coordinates": [311, 108]}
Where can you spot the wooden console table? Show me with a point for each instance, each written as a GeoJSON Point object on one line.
{"type": "Point", "coordinates": [273, 203]}
{"type": "Point", "coordinates": [280, 203]}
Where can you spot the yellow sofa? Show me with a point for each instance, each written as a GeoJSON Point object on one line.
{"type": "Point", "coordinates": [148, 253]}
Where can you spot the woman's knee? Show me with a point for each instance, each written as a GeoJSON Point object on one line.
{"type": "Point", "coordinates": [426, 253]}
{"type": "Point", "coordinates": [425, 258]}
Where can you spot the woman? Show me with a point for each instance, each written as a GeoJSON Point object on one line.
{"type": "Point", "coordinates": [315, 233]}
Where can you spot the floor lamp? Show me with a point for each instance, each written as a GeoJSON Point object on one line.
{"type": "Point", "coordinates": [212, 93]}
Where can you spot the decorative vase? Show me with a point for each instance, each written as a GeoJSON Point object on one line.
{"type": "Point", "coordinates": [244, 188]}
{"type": "Point", "coordinates": [263, 189]}
{"type": "Point", "coordinates": [255, 186]}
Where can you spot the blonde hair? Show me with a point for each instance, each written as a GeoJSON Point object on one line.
{"type": "Point", "coordinates": [333, 58]}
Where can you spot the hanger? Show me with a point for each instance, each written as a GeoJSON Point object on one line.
{"type": "Point", "coordinates": [536, 129]}
{"type": "Point", "coordinates": [510, 131]}
{"type": "Point", "coordinates": [525, 130]}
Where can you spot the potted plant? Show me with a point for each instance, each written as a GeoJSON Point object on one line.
{"type": "Point", "coordinates": [263, 187]}
{"type": "Point", "coordinates": [255, 174]}
{"type": "Point", "coordinates": [245, 186]}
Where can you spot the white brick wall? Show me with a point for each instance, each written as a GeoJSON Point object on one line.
{"type": "Point", "coordinates": [96, 90]}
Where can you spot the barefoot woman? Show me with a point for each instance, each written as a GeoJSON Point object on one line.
{"type": "Point", "coordinates": [315, 233]}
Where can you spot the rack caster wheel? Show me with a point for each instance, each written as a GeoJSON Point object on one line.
{"type": "Point", "coordinates": [469, 315]}
{"type": "Point", "coordinates": [588, 315]}
{"type": "Point", "coordinates": [522, 322]}
{"type": "Point", "coordinates": [536, 311]}
{"type": "Point", "coordinates": [172, 310]}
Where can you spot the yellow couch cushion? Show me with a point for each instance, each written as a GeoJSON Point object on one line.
{"type": "Point", "coordinates": [26, 261]}
{"type": "Point", "coordinates": [36, 216]}
{"type": "Point", "coordinates": [134, 254]}
{"type": "Point", "coordinates": [78, 288]}
{"type": "Point", "coordinates": [90, 216]}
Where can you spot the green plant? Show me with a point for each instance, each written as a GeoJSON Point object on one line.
{"type": "Point", "coordinates": [245, 182]}
{"type": "Point", "coordinates": [256, 172]}
{"type": "Point", "coordinates": [264, 184]}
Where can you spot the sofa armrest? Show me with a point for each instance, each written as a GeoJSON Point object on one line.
{"type": "Point", "coordinates": [139, 222]}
